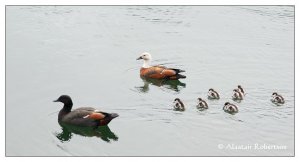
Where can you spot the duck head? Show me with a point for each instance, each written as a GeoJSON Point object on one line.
{"type": "Point", "coordinates": [177, 101]}
{"type": "Point", "coordinates": [274, 94]}
{"type": "Point", "coordinates": [145, 56]}
{"type": "Point", "coordinates": [65, 99]}
{"type": "Point", "coordinates": [226, 103]}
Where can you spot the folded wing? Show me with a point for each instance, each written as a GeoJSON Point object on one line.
{"type": "Point", "coordinates": [161, 72]}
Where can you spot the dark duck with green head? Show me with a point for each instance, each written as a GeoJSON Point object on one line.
{"type": "Point", "coordinates": [83, 116]}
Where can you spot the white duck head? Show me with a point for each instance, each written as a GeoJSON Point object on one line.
{"type": "Point", "coordinates": [147, 58]}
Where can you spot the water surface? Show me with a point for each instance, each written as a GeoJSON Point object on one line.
{"type": "Point", "coordinates": [89, 53]}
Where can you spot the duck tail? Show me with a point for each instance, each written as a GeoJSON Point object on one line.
{"type": "Point", "coordinates": [114, 115]}
{"type": "Point", "coordinates": [180, 76]}
{"type": "Point", "coordinates": [178, 70]}
{"type": "Point", "coordinates": [108, 118]}
{"type": "Point", "coordinates": [177, 76]}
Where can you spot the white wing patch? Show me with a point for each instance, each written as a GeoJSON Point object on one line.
{"type": "Point", "coordinates": [86, 116]}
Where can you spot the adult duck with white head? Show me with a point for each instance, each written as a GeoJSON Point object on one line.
{"type": "Point", "coordinates": [158, 72]}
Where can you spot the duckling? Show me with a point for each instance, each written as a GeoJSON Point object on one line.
{"type": "Point", "coordinates": [277, 99]}
{"type": "Point", "coordinates": [202, 104]}
{"type": "Point", "coordinates": [230, 108]}
{"type": "Point", "coordinates": [241, 90]}
{"type": "Point", "coordinates": [237, 95]}
{"type": "Point", "coordinates": [178, 105]}
{"type": "Point", "coordinates": [212, 94]}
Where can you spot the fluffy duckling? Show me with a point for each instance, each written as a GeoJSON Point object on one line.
{"type": "Point", "coordinates": [241, 90]}
{"type": "Point", "coordinates": [178, 105]}
{"type": "Point", "coordinates": [230, 108]}
{"type": "Point", "coordinates": [202, 104]}
{"type": "Point", "coordinates": [277, 99]}
{"type": "Point", "coordinates": [237, 95]}
{"type": "Point", "coordinates": [212, 94]}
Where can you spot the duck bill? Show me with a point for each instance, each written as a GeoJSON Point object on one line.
{"type": "Point", "coordinates": [55, 101]}
{"type": "Point", "coordinates": [139, 58]}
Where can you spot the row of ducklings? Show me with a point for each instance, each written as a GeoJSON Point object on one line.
{"type": "Point", "coordinates": [238, 94]}
{"type": "Point", "coordinates": [202, 105]}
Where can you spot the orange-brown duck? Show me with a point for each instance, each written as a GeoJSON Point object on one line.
{"type": "Point", "coordinates": [158, 72]}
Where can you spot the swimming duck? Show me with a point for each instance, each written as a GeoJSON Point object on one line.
{"type": "Point", "coordinates": [230, 108]}
{"type": "Point", "coordinates": [241, 90]}
{"type": "Point", "coordinates": [158, 72]}
{"type": "Point", "coordinates": [277, 99]}
{"type": "Point", "coordinates": [202, 104]}
{"type": "Point", "coordinates": [212, 94]}
{"type": "Point", "coordinates": [178, 105]}
{"type": "Point", "coordinates": [237, 95]}
{"type": "Point", "coordinates": [84, 116]}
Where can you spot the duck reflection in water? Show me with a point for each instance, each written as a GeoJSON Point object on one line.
{"type": "Point", "coordinates": [102, 132]}
{"type": "Point", "coordinates": [174, 85]}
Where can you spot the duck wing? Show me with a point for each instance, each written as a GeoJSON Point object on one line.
{"type": "Point", "coordinates": [176, 70]}
{"type": "Point", "coordinates": [90, 113]}
{"type": "Point", "coordinates": [161, 72]}
{"type": "Point", "coordinates": [88, 116]}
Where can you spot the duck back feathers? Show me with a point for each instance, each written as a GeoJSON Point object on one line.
{"type": "Point", "coordinates": [161, 72]}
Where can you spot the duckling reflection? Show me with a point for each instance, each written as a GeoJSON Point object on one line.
{"type": "Point", "coordinates": [102, 132]}
{"type": "Point", "coordinates": [174, 85]}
